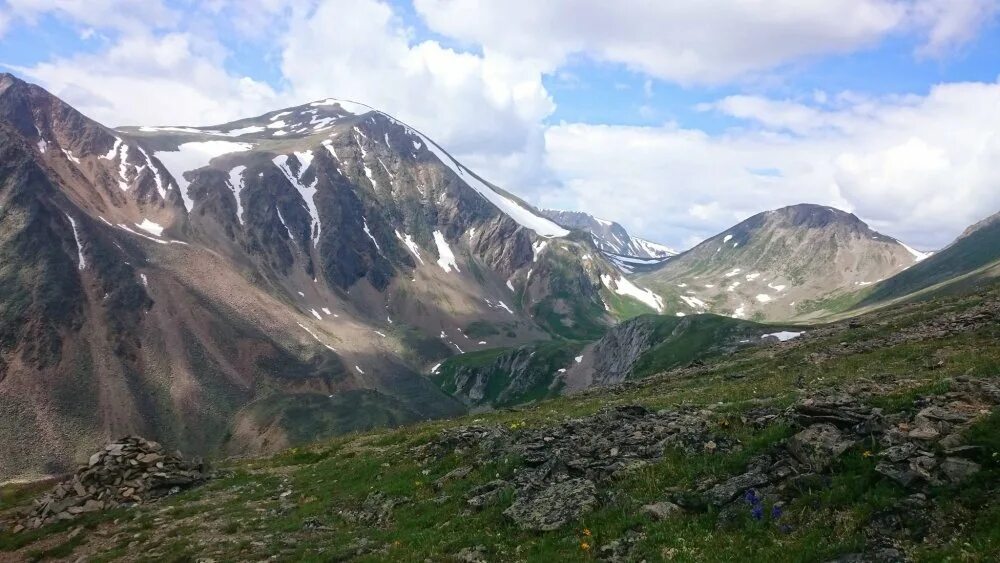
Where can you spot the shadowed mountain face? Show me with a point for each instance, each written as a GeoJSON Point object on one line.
{"type": "Point", "coordinates": [975, 255]}
{"type": "Point", "coordinates": [231, 287]}
{"type": "Point", "coordinates": [787, 263]}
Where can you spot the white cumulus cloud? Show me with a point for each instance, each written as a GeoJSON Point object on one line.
{"type": "Point", "coordinates": [920, 168]}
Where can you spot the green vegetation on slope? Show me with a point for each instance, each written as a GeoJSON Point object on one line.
{"type": "Point", "coordinates": [682, 340]}
{"type": "Point", "coordinates": [502, 377]}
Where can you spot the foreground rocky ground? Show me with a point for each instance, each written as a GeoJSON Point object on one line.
{"type": "Point", "coordinates": [876, 439]}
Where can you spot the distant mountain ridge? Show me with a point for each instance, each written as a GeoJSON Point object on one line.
{"type": "Point", "coordinates": [610, 236]}
{"type": "Point", "coordinates": [779, 265]}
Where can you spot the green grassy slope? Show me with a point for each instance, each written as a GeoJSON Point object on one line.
{"type": "Point", "coordinates": [682, 340]}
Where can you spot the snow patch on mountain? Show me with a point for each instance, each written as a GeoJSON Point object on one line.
{"type": "Point", "coordinates": [412, 246]}
{"type": "Point", "coordinates": [150, 227]}
{"type": "Point", "coordinates": [623, 286]}
{"type": "Point", "coordinates": [76, 237]}
{"type": "Point", "coordinates": [192, 156]}
{"type": "Point", "coordinates": [446, 257]}
{"type": "Point", "coordinates": [694, 302]}
{"type": "Point", "coordinates": [237, 183]}
{"type": "Point", "coordinates": [306, 192]}
{"type": "Point", "coordinates": [783, 335]}
{"type": "Point", "coordinates": [368, 232]}
{"type": "Point", "coordinates": [917, 255]}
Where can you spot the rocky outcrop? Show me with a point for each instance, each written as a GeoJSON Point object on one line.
{"type": "Point", "coordinates": [617, 351]}
{"type": "Point", "coordinates": [565, 464]}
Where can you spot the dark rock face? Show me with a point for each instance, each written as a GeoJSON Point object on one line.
{"type": "Point", "coordinates": [318, 215]}
{"type": "Point", "coordinates": [126, 472]}
{"type": "Point", "coordinates": [617, 351]}
{"type": "Point", "coordinates": [37, 248]}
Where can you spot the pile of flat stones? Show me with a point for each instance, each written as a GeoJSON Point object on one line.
{"type": "Point", "coordinates": [127, 472]}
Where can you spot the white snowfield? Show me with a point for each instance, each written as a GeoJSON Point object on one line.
{"type": "Point", "coordinates": [654, 248]}
{"type": "Point", "coordinates": [411, 245]}
{"type": "Point", "coordinates": [150, 227]}
{"type": "Point", "coordinates": [79, 247]}
{"type": "Point", "coordinates": [784, 335]}
{"type": "Point", "coordinates": [192, 156]}
{"type": "Point", "coordinates": [237, 184]}
{"type": "Point", "coordinates": [694, 302]}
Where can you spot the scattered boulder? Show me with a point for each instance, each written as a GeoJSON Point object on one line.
{"type": "Point", "coordinates": [733, 487]}
{"type": "Point", "coordinates": [552, 507]}
{"type": "Point", "coordinates": [662, 510]}
{"type": "Point", "coordinates": [127, 472]}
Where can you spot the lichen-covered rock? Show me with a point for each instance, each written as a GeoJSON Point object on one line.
{"type": "Point", "coordinates": [552, 507]}
{"type": "Point", "coordinates": [819, 445]}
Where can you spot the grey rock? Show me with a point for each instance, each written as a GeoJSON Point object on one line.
{"type": "Point", "coordinates": [957, 469]}
{"type": "Point", "coordinates": [735, 486]}
{"type": "Point", "coordinates": [553, 506]}
{"type": "Point", "coordinates": [488, 494]}
{"type": "Point", "coordinates": [471, 555]}
{"type": "Point", "coordinates": [819, 445]}
{"type": "Point", "coordinates": [662, 510]}
{"type": "Point", "coordinates": [454, 474]}
{"type": "Point", "coordinates": [376, 510]}
{"type": "Point", "coordinates": [898, 453]}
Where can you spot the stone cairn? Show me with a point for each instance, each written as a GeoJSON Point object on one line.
{"type": "Point", "coordinates": [127, 472]}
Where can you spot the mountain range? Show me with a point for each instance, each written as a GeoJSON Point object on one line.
{"type": "Point", "coordinates": [326, 268]}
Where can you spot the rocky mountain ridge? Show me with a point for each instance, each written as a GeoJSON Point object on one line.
{"type": "Point", "coordinates": [609, 236]}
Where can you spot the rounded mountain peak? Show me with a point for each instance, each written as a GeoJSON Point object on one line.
{"type": "Point", "coordinates": [813, 216]}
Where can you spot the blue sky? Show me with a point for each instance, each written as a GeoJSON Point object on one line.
{"type": "Point", "coordinates": [676, 119]}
